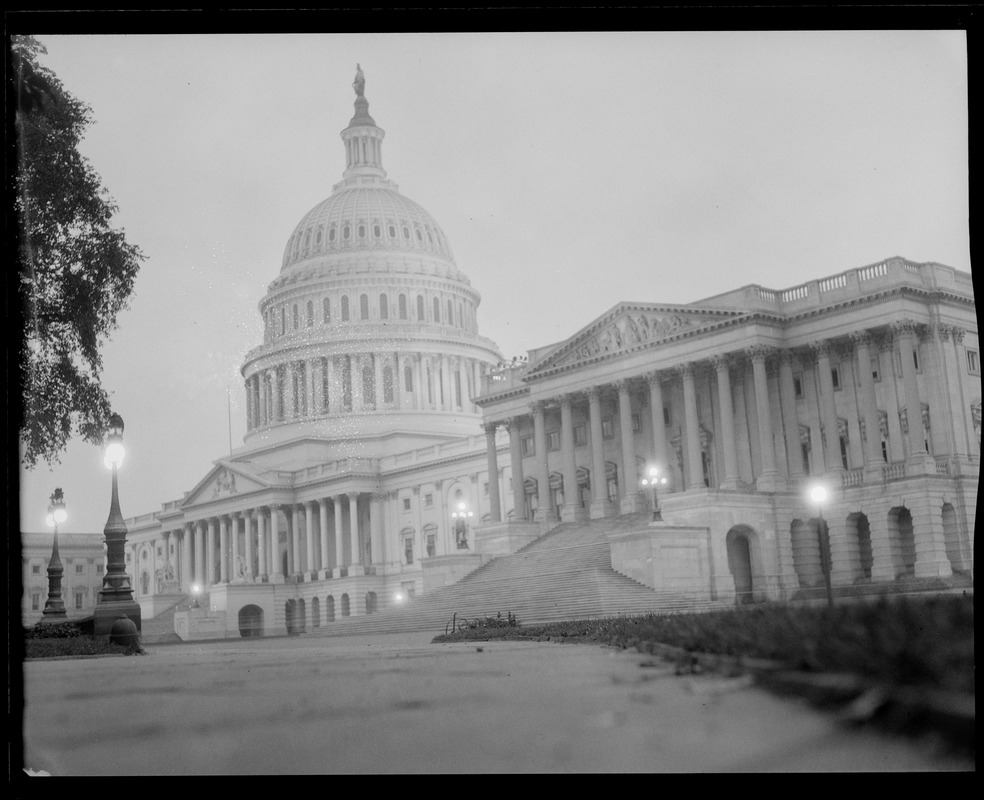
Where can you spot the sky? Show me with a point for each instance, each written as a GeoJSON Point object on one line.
{"type": "Point", "coordinates": [568, 171]}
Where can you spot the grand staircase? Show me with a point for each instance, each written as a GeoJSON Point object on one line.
{"type": "Point", "coordinates": [563, 575]}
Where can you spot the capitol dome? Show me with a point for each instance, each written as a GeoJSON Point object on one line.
{"type": "Point", "coordinates": [366, 217]}
{"type": "Point", "coordinates": [370, 330]}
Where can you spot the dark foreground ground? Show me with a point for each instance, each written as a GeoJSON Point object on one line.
{"type": "Point", "coordinates": [402, 704]}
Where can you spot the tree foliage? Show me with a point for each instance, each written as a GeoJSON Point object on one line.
{"type": "Point", "coordinates": [76, 270]}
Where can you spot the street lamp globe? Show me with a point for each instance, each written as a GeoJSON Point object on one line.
{"type": "Point", "coordinates": [818, 494]}
{"type": "Point", "coordinates": [114, 442]}
{"type": "Point", "coordinates": [54, 607]}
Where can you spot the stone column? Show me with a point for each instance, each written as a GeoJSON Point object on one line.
{"type": "Point", "coordinates": [278, 515]}
{"type": "Point", "coordinates": [927, 528]}
{"type": "Point", "coordinates": [631, 501]}
{"type": "Point", "coordinates": [905, 333]}
{"type": "Point", "coordinates": [335, 405]}
{"type": "Point", "coordinates": [201, 563]}
{"type": "Point", "coordinates": [234, 535]}
{"type": "Point", "coordinates": [545, 511]}
{"type": "Point", "coordinates": [323, 530]}
{"type": "Point", "coordinates": [248, 531]}
{"type": "Point", "coordinates": [261, 544]}
{"type": "Point", "coordinates": [869, 410]}
{"type": "Point", "coordinates": [353, 498]}
{"type": "Point", "coordinates": [516, 463]}
{"type": "Point", "coordinates": [339, 535]}
{"type": "Point", "coordinates": [377, 366]}
{"type": "Point", "coordinates": [262, 417]}
{"type": "Point", "coordinates": [294, 552]}
{"type": "Point", "coordinates": [210, 554]}
{"type": "Point", "coordinates": [828, 409]}
{"type": "Point", "coordinates": [695, 467]}
{"type": "Point", "coordinates": [223, 549]}
{"type": "Point", "coordinates": [790, 419]}
{"type": "Point", "coordinates": [600, 504]}
{"type": "Point", "coordinates": [845, 554]}
{"type": "Point", "coordinates": [726, 410]}
{"type": "Point", "coordinates": [768, 481]}
{"type": "Point", "coordinates": [495, 508]}
{"type": "Point", "coordinates": [278, 394]}
{"type": "Point", "coordinates": [572, 509]}
{"type": "Point", "coordinates": [317, 386]}
{"type": "Point", "coordinates": [887, 365]}
{"type": "Point", "coordinates": [309, 562]}
{"type": "Point", "coordinates": [660, 449]}
{"type": "Point", "coordinates": [953, 392]}
{"type": "Point", "coordinates": [187, 577]}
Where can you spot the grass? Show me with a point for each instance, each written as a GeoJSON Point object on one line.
{"type": "Point", "coordinates": [921, 642]}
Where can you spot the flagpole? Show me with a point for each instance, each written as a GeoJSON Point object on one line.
{"type": "Point", "coordinates": [229, 411]}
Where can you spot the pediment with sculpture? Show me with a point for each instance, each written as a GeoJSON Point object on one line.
{"type": "Point", "coordinates": [219, 483]}
{"type": "Point", "coordinates": [628, 327]}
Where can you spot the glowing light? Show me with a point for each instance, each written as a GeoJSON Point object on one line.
{"type": "Point", "coordinates": [818, 494]}
{"type": "Point", "coordinates": [114, 454]}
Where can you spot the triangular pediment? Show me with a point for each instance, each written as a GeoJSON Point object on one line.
{"type": "Point", "coordinates": [627, 327]}
{"type": "Point", "coordinates": [225, 479]}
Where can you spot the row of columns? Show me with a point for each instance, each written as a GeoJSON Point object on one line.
{"type": "Point", "coordinates": [323, 385]}
{"type": "Point", "coordinates": [210, 550]}
{"type": "Point", "coordinates": [764, 361]}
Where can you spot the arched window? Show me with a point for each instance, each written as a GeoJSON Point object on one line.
{"type": "Point", "coordinates": [283, 320]}
{"type": "Point", "coordinates": [420, 307]}
{"type": "Point", "coordinates": [376, 231]}
{"type": "Point", "coordinates": [326, 310]}
{"type": "Point", "coordinates": [403, 306]}
{"type": "Point", "coordinates": [406, 232]}
{"type": "Point", "coordinates": [437, 310]}
{"type": "Point", "coordinates": [392, 232]}
{"type": "Point", "coordinates": [307, 240]}
{"type": "Point", "coordinates": [345, 308]}
{"type": "Point", "coordinates": [420, 236]}
{"type": "Point", "coordinates": [450, 317]}
{"type": "Point", "coordinates": [368, 385]}
{"type": "Point", "coordinates": [408, 378]}
{"type": "Point", "coordinates": [387, 384]}
{"type": "Point", "coordinates": [364, 306]}
{"type": "Point", "coordinates": [362, 231]}
{"type": "Point", "coordinates": [294, 316]}
{"type": "Point", "coordinates": [331, 234]}
{"type": "Point", "coordinates": [310, 313]}
{"type": "Point", "coordinates": [345, 232]}
{"type": "Point", "coordinates": [383, 307]}
{"type": "Point", "coordinates": [461, 317]}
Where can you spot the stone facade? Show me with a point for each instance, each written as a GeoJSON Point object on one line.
{"type": "Point", "coordinates": [83, 558]}
{"type": "Point", "coordinates": [390, 450]}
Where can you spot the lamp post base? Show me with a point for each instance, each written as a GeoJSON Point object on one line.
{"type": "Point", "coordinates": [106, 614]}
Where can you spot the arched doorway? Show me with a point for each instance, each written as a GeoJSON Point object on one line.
{"type": "Point", "coordinates": [739, 548]}
{"type": "Point", "coordinates": [301, 617]}
{"type": "Point", "coordinates": [330, 609]}
{"type": "Point", "coordinates": [289, 613]}
{"type": "Point", "coordinates": [806, 553]}
{"type": "Point", "coordinates": [371, 602]}
{"type": "Point", "coordinates": [144, 582]}
{"type": "Point", "coordinates": [345, 605]}
{"type": "Point", "coordinates": [250, 622]}
{"type": "Point", "coordinates": [903, 541]}
{"type": "Point", "coordinates": [316, 613]}
{"type": "Point", "coordinates": [955, 542]}
{"type": "Point", "coordinates": [858, 524]}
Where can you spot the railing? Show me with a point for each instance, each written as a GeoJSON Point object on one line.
{"type": "Point", "coordinates": [943, 466]}
{"type": "Point", "coordinates": [852, 477]}
{"type": "Point", "coordinates": [892, 472]}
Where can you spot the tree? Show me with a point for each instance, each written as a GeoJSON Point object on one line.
{"type": "Point", "coordinates": [75, 271]}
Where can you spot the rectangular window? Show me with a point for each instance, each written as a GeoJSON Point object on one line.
{"type": "Point", "coordinates": [835, 377]}
{"type": "Point", "coordinates": [99, 569]}
{"type": "Point", "coordinates": [973, 362]}
{"type": "Point", "coordinates": [884, 448]}
{"type": "Point", "coordinates": [636, 423]}
{"type": "Point", "coordinates": [428, 501]}
{"type": "Point", "coordinates": [915, 358]}
{"type": "Point", "coordinates": [526, 446]}
{"type": "Point", "coordinates": [79, 569]}
{"type": "Point", "coordinates": [35, 602]}
{"type": "Point", "coordinates": [35, 569]}
{"type": "Point", "coordinates": [843, 447]}
{"type": "Point", "coordinates": [485, 489]}
{"type": "Point", "coordinates": [553, 440]}
{"type": "Point", "coordinates": [160, 552]}
{"type": "Point", "coordinates": [406, 503]}
{"type": "Point", "coordinates": [875, 371]}
{"type": "Point", "coordinates": [580, 435]}
{"type": "Point", "coordinates": [666, 414]}
{"type": "Point", "coordinates": [431, 546]}
{"type": "Point", "coordinates": [408, 549]}
{"type": "Point", "coordinates": [798, 385]}
{"type": "Point", "coordinates": [78, 599]}
{"type": "Point", "coordinates": [607, 430]}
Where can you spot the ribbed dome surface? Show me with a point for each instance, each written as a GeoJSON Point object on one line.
{"type": "Point", "coordinates": [365, 218]}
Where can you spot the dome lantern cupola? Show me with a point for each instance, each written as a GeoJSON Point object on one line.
{"type": "Point", "coordinates": [363, 139]}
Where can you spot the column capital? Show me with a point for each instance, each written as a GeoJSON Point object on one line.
{"type": "Point", "coordinates": [957, 333]}
{"type": "Point", "coordinates": [788, 357]}
{"type": "Point", "coordinates": [821, 348]}
{"type": "Point", "coordinates": [759, 352]}
{"type": "Point", "coordinates": [594, 393]}
{"type": "Point", "coordinates": [567, 400]}
{"type": "Point", "coordinates": [685, 370]}
{"type": "Point", "coordinates": [489, 428]}
{"type": "Point", "coordinates": [905, 327]}
{"type": "Point", "coordinates": [537, 408]}
{"type": "Point", "coordinates": [621, 385]}
{"type": "Point", "coordinates": [655, 376]}
{"type": "Point", "coordinates": [352, 495]}
{"type": "Point", "coordinates": [862, 338]}
{"type": "Point", "coordinates": [721, 361]}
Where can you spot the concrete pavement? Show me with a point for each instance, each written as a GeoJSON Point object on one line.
{"type": "Point", "coordinates": [398, 704]}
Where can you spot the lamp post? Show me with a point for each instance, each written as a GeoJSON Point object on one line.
{"type": "Point", "coordinates": [116, 596]}
{"type": "Point", "coordinates": [196, 590]}
{"type": "Point", "coordinates": [54, 606]}
{"type": "Point", "coordinates": [818, 494]}
{"type": "Point", "coordinates": [654, 480]}
{"type": "Point", "coordinates": [461, 517]}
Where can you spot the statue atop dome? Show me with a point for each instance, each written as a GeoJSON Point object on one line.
{"type": "Point", "coordinates": [359, 84]}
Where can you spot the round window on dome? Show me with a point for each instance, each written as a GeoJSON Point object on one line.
{"type": "Point", "coordinates": [345, 232]}
{"type": "Point", "coordinates": [331, 235]}
{"type": "Point", "coordinates": [420, 237]}
{"type": "Point", "coordinates": [317, 238]}
{"type": "Point", "coordinates": [362, 231]}
{"type": "Point", "coordinates": [376, 231]}
{"type": "Point", "coordinates": [392, 232]}
{"type": "Point", "coordinates": [406, 232]}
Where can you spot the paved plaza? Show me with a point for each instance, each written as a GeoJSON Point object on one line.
{"type": "Point", "coordinates": [399, 704]}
